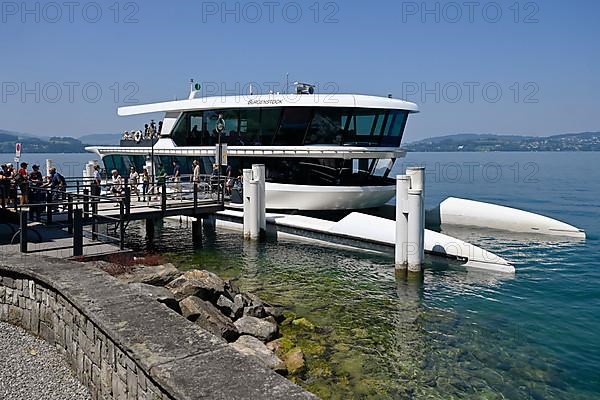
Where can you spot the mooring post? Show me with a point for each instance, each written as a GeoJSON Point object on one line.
{"type": "Point", "coordinates": [163, 197]}
{"type": "Point", "coordinates": [197, 231]}
{"type": "Point", "coordinates": [69, 213]}
{"type": "Point", "coordinates": [150, 230]}
{"type": "Point", "coordinates": [416, 228]}
{"type": "Point", "coordinates": [94, 225]}
{"type": "Point", "coordinates": [127, 197]}
{"type": "Point", "coordinates": [251, 206]}
{"type": "Point", "coordinates": [24, 233]}
{"type": "Point", "coordinates": [259, 172]}
{"type": "Point", "coordinates": [401, 249]}
{"type": "Point", "coordinates": [122, 226]}
{"type": "Point", "coordinates": [86, 203]}
{"type": "Point", "coordinates": [49, 198]}
{"type": "Point", "coordinates": [195, 197]}
{"type": "Point", "coordinates": [77, 233]}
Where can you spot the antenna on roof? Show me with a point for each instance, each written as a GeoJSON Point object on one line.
{"type": "Point", "coordinates": [390, 96]}
{"type": "Point", "coordinates": [251, 92]}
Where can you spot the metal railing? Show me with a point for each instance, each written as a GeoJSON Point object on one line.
{"type": "Point", "coordinates": [74, 207]}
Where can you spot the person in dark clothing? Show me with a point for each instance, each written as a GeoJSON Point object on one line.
{"type": "Point", "coordinates": [35, 195]}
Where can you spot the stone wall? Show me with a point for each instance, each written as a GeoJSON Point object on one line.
{"type": "Point", "coordinates": [122, 345]}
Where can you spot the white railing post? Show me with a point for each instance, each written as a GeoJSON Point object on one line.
{"type": "Point", "coordinates": [401, 250]}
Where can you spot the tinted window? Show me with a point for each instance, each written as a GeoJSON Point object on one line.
{"type": "Point", "coordinates": [329, 126]}
{"type": "Point", "coordinates": [294, 124]}
{"type": "Point", "coordinates": [250, 126]}
{"type": "Point", "coordinates": [269, 121]}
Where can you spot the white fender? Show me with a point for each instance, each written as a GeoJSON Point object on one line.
{"type": "Point", "coordinates": [454, 211]}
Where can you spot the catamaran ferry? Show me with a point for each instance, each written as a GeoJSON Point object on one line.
{"type": "Point", "coordinates": [321, 152]}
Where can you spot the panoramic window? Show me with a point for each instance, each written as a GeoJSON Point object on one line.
{"type": "Point", "coordinates": [294, 124]}
{"type": "Point", "coordinates": [329, 126]}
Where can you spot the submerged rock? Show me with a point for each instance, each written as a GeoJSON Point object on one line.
{"type": "Point", "coordinates": [158, 293]}
{"type": "Point", "coordinates": [263, 329]}
{"type": "Point", "coordinates": [208, 317]}
{"type": "Point", "coordinates": [253, 347]}
{"type": "Point", "coordinates": [294, 361]}
{"type": "Point", "coordinates": [158, 275]}
{"type": "Point", "coordinates": [202, 284]}
{"type": "Point", "coordinates": [281, 346]}
{"type": "Point", "coordinates": [303, 323]}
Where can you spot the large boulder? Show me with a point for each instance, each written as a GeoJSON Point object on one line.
{"type": "Point", "coordinates": [202, 284]}
{"type": "Point", "coordinates": [157, 293]}
{"type": "Point", "coordinates": [158, 275]}
{"type": "Point", "coordinates": [264, 329]}
{"type": "Point", "coordinates": [238, 306]}
{"type": "Point", "coordinates": [208, 317]}
{"type": "Point", "coordinates": [256, 349]}
{"type": "Point", "coordinates": [226, 306]}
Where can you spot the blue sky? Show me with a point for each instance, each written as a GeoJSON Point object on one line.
{"type": "Point", "coordinates": [478, 67]}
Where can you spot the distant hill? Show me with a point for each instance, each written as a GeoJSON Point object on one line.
{"type": "Point", "coordinates": [586, 141]}
{"type": "Point", "coordinates": [32, 144]}
{"type": "Point", "coordinates": [102, 139]}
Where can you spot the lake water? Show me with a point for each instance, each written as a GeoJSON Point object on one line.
{"type": "Point", "coordinates": [458, 334]}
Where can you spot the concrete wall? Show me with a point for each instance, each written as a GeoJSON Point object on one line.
{"type": "Point", "coordinates": [123, 345]}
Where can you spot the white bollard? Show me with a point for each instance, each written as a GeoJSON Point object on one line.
{"type": "Point", "coordinates": [401, 250]}
{"type": "Point", "coordinates": [259, 173]}
{"type": "Point", "coordinates": [417, 182]}
{"type": "Point", "coordinates": [251, 206]}
{"type": "Point", "coordinates": [416, 229]}
{"type": "Point", "coordinates": [417, 178]}
{"type": "Point", "coordinates": [49, 165]}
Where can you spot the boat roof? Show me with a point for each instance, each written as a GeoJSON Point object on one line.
{"type": "Point", "coordinates": [271, 100]}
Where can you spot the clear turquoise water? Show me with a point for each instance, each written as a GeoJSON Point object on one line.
{"type": "Point", "coordinates": [458, 334]}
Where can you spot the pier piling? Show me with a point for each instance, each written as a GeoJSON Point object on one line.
{"type": "Point", "coordinates": [401, 250]}
{"type": "Point", "coordinates": [410, 220]}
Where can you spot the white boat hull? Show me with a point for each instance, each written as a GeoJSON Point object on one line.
{"type": "Point", "coordinates": [315, 198]}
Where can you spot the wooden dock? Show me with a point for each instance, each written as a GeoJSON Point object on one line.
{"type": "Point", "coordinates": [68, 222]}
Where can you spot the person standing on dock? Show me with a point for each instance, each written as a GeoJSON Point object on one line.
{"type": "Point", "coordinates": [177, 178]}
{"type": "Point", "coordinates": [145, 183]}
{"type": "Point", "coordinates": [58, 185]}
{"type": "Point", "coordinates": [161, 179]}
{"type": "Point", "coordinates": [35, 196]}
{"type": "Point", "coordinates": [196, 172]}
{"type": "Point", "coordinates": [21, 181]}
{"type": "Point", "coordinates": [96, 181]}
{"type": "Point", "coordinates": [134, 179]}
{"type": "Point", "coordinates": [117, 183]}
{"type": "Point", "coordinates": [4, 185]}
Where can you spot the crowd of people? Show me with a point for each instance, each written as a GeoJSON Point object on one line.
{"type": "Point", "coordinates": [24, 186]}
{"type": "Point", "coordinates": [151, 131]}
